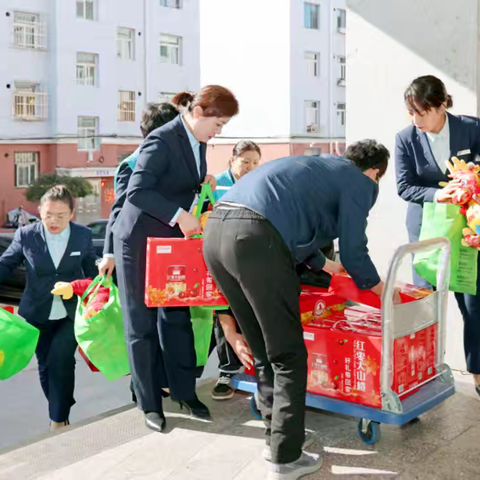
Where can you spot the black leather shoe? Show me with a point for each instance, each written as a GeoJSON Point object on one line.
{"type": "Point", "coordinates": [196, 408]}
{"type": "Point", "coordinates": [155, 421]}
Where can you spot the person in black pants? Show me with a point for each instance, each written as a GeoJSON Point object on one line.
{"type": "Point", "coordinates": [273, 219]}
{"type": "Point", "coordinates": [53, 250]}
{"type": "Point", "coordinates": [161, 194]}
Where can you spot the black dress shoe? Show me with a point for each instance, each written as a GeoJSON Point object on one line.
{"type": "Point", "coordinates": [155, 421]}
{"type": "Point", "coordinates": [196, 408]}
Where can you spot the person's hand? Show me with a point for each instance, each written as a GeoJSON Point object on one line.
{"type": "Point", "coordinates": [64, 289]}
{"type": "Point", "coordinates": [211, 180]}
{"type": "Point", "coordinates": [189, 224]}
{"type": "Point", "coordinates": [333, 267]}
{"type": "Point", "coordinates": [106, 266]}
{"type": "Point", "coordinates": [378, 289]}
{"type": "Point", "coordinates": [240, 347]}
{"type": "Point", "coordinates": [445, 195]}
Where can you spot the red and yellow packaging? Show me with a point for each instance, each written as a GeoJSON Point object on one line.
{"type": "Point", "coordinates": [177, 276]}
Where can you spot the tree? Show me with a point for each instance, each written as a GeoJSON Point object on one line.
{"type": "Point", "coordinates": [79, 187]}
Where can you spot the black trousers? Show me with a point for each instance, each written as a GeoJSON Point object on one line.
{"type": "Point", "coordinates": [256, 272]}
{"type": "Point", "coordinates": [228, 362]}
{"type": "Point", "coordinates": [56, 366]}
{"type": "Point", "coordinates": [159, 340]}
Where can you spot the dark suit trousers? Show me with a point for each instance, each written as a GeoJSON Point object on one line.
{"type": "Point", "coordinates": [256, 272]}
{"type": "Point", "coordinates": [56, 366]}
{"type": "Point", "coordinates": [159, 341]}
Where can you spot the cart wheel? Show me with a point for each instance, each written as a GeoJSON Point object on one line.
{"type": "Point", "coordinates": [254, 408]}
{"type": "Point", "coordinates": [369, 431]}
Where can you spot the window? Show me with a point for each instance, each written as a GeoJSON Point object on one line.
{"type": "Point", "coordinates": [88, 130]}
{"type": "Point", "coordinates": [87, 68]}
{"type": "Point", "coordinates": [86, 9]}
{"type": "Point", "coordinates": [313, 64]}
{"type": "Point", "coordinates": [126, 106]}
{"type": "Point", "coordinates": [312, 116]}
{"type": "Point", "coordinates": [165, 97]}
{"type": "Point", "coordinates": [341, 114]}
{"type": "Point", "coordinates": [341, 20]}
{"type": "Point", "coordinates": [26, 168]}
{"type": "Point", "coordinates": [126, 43]}
{"type": "Point", "coordinates": [342, 71]}
{"type": "Point", "coordinates": [123, 156]}
{"type": "Point", "coordinates": [98, 230]}
{"type": "Point", "coordinates": [311, 15]}
{"type": "Point", "coordinates": [171, 3]}
{"type": "Point", "coordinates": [29, 102]}
{"type": "Point", "coordinates": [28, 31]}
{"type": "Point", "coordinates": [170, 49]}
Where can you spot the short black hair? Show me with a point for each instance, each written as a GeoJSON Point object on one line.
{"type": "Point", "coordinates": [425, 93]}
{"type": "Point", "coordinates": [155, 115]}
{"type": "Point", "coordinates": [58, 193]}
{"type": "Point", "coordinates": [367, 154]}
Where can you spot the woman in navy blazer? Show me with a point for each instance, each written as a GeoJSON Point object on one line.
{"type": "Point", "coordinates": [420, 154]}
{"type": "Point", "coordinates": [165, 183]}
{"type": "Point", "coordinates": [55, 250]}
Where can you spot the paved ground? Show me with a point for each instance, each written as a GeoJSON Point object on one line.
{"type": "Point", "coordinates": [443, 445]}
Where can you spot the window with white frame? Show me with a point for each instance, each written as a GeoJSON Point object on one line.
{"type": "Point", "coordinates": [342, 70]}
{"type": "Point", "coordinates": [126, 43]}
{"type": "Point", "coordinates": [341, 114]}
{"type": "Point", "coordinates": [341, 20]}
{"type": "Point", "coordinates": [29, 31]}
{"type": "Point", "coordinates": [87, 64]}
{"type": "Point", "coordinates": [86, 9]}
{"type": "Point", "coordinates": [126, 106]}
{"type": "Point", "coordinates": [165, 97]}
{"type": "Point", "coordinates": [170, 49]}
{"type": "Point", "coordinates": [88, 133]}
{"type": "Point", "coordinates": [311, 16]}
{"type": "Point", "coordinates": [312, 116]}
{"type": "Point", "coordinates": [26, 168]}
{"type": "Point", "coordinates": [171, 3]}
{"type": "Point", "coordinates": [29, 102]}
{"type": "Point", "coordinates": [313, 63]}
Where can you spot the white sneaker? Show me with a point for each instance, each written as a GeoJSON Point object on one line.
{"type": "Point", "coordinates": [309, 438]}
{"type": "Point", "coordinates": [306, 464]}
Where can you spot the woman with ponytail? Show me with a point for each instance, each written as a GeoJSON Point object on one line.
{"type": "Point", "coordinates": [161, 193]}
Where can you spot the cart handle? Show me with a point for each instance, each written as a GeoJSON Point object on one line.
{"type": "Point", "coordinates": [443, 277]}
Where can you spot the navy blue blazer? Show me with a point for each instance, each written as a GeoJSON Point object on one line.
{"type": "Point", "coordinates": [417, 172]}
{"type": "Point", "coordinates": [29, 246]}
{"type": "Point", "coordinates": [123, 177]}
{"type": "Point", "coordinates": [165, 179]}
{"type": "Point", "coordinates": [311, 201]}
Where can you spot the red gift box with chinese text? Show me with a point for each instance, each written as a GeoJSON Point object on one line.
{"type": "Point", "coordinates": [177, 276]}
{"type": "Point", "coordinates": [345, 355]}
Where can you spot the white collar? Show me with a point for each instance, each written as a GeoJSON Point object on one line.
{"type": "Point", "coordinates": [442, 134]}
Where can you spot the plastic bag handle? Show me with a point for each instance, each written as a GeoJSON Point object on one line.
{"type": "Point", "coordinates": [205, 192]}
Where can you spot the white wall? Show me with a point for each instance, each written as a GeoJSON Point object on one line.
{"type": "Point", "coordinates": [67, 35]}
{"type": "Point", "coordinates": [388, 45]}
{"type": "Point", "coordinates": [29, 65]}
{"type": "Point", "coordinates": [245, 46]}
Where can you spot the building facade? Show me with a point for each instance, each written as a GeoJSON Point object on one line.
{"type": "Point", "coordinates": [285, 61]}
{"type": "Point", "coordinates": [76, 75]}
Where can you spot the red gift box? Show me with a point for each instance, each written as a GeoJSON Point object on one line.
{"type": "Point", "coordinates": [345, 355]}
{"type": "Point", "coordinates": [177, 275]}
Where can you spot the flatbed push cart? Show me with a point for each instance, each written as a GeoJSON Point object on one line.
{"type": "Point", "coordinates": [397, 321]}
